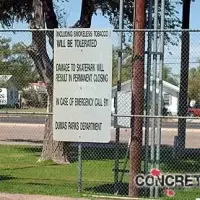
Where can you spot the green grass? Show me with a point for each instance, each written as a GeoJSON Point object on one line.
{"type": "Point", "coordinates": [187, 194]}
{"type": "Point", "coordinates": [21, 173]}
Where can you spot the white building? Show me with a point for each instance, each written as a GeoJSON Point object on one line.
{"type": "Point", "coordinates": [39, 87]}
{"type": "Point", "coordinates": [11, 93]}
{"type": "Point", "coordinates": [13, 96]}
{"type": "Point", "coordinates": [170, 97]}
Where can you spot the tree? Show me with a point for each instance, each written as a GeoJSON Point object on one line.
{"type": "Point", "coordinates": [15, 61]}
{"type": "Point", "coordinates": [34, 99]}
{"type": "Point", "coordinates": [42, 13]}
{"type": "Point", "coordinates": [194, 84]}
{"type": "Point", "coordinates": [168, 76]}
{"type": "Point", "coordinates": [21, 10]}
{"type": "Point", "coordinates": [126, 70]}
{"type": "Point", "coordinates": [110, 8]}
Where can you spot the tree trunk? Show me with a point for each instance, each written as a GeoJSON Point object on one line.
{"type": "Point", "coordinates": [52, 150]}
{"type": "Point", "coordinates": [59, 152]}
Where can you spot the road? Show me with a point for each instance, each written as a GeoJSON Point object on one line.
{"type": "Point", "coordinates": [33, 134]}
{"type": "Point", "coordinates": [30, 129]}
{"type": "Point", "coordinates": [23, 119]}
{"type": "Point", "coordinates": [41, 120]}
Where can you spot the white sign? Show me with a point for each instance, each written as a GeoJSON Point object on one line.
{"type": "Point", "coordinates": [3, 96]}
{"type": "Point", "coordinates": [5, 77]}
{"type": "Point", "coordinates": [82, 85]}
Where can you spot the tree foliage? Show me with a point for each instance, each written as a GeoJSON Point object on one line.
{"type": "Point", "coordinates": [110, 9]}
{"type": "Point", "coordinates": [194, 84]}
{"type": "Point", "coordinates": [126, 68]}
{"type": "Point", "coordinates": [12, 10]}
{"type": "Point", "coordinates": [15, 61]}
{"type": "Point", "coordinates": [169, 77]}
{"type": "Point", "coordinates": [34, 99]}
{"type": "Point", "coordinates": [21, 10]}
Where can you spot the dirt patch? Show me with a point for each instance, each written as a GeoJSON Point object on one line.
{"type": "Point", "coordinates": [5, 196]}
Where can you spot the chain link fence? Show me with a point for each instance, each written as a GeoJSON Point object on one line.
{"type": "Point", "coordinates": [24, 110]}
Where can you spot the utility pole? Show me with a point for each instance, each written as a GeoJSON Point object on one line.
{"type": "Point", "coordinates": [183, 95]}
{"type": "Point", "coordinates": [137, 96]}
{"type": "Point", "coordinates": [121, 9]}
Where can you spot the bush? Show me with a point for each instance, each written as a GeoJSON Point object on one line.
{"type": "Point", "coordinates": [35, 99]}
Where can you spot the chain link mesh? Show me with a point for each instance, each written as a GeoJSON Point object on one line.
{"type": "Point", "coordinates": [105, 167]}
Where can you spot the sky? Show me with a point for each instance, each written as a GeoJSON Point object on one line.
{"type": "Point", "coordinates": [194, 41]}
{"type": "Point", "coordinates": [73, 13]}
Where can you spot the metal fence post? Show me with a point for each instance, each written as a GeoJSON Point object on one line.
{"type": "Point", "coordinates": [148, 83]}
{"type": "Point", "coordinates": [160, 96]}
{"type": "Point", "coordinates": [154, 94]}
{"type": "Point", "coordinates": [118, 89]}
{"type": "Point", "coordinates": [79, 168]}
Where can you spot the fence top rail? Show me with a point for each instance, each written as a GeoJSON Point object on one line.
{"type": "Point", "coordinates": [156, 30]}
{"type": "Point", "coordinates": [114, 115]}
{"type": "Point", "coordinates": [114, 30]}
{"type": "Point", "coordinates": [155, 116]}
{"type": "Point", "coordinates": [25, 113]}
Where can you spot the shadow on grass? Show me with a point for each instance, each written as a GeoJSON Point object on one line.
{"type": "Point", "coordinates": [94, 151]}
{"type": "Point", "coordinates": [46, 163]}
{"type": "Point", "coordinates": [183, 166]}
{"type": "Point", "coordinates": [6, 177]}
{"type": "Point", "coordinates": [38, 184]}
{"type": "Point", "coordinates": [101, 151]}
{"type": "Point", "coordinates": [109, 189]}
{"type": "Point", "coordinates": [190, 162]}
{"type": "Point", "coordinates": [122, 190]}
{"type": "Point", "coordinates": [29, 149]}
{"type": "Point", "coordinates": [97, 151]}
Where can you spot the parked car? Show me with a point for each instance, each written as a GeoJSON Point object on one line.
{"type": "Point", "coordinates": [194, 111]}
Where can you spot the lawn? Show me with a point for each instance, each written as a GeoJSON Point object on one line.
{"type": "Point", "coordinates": [21, 173]}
